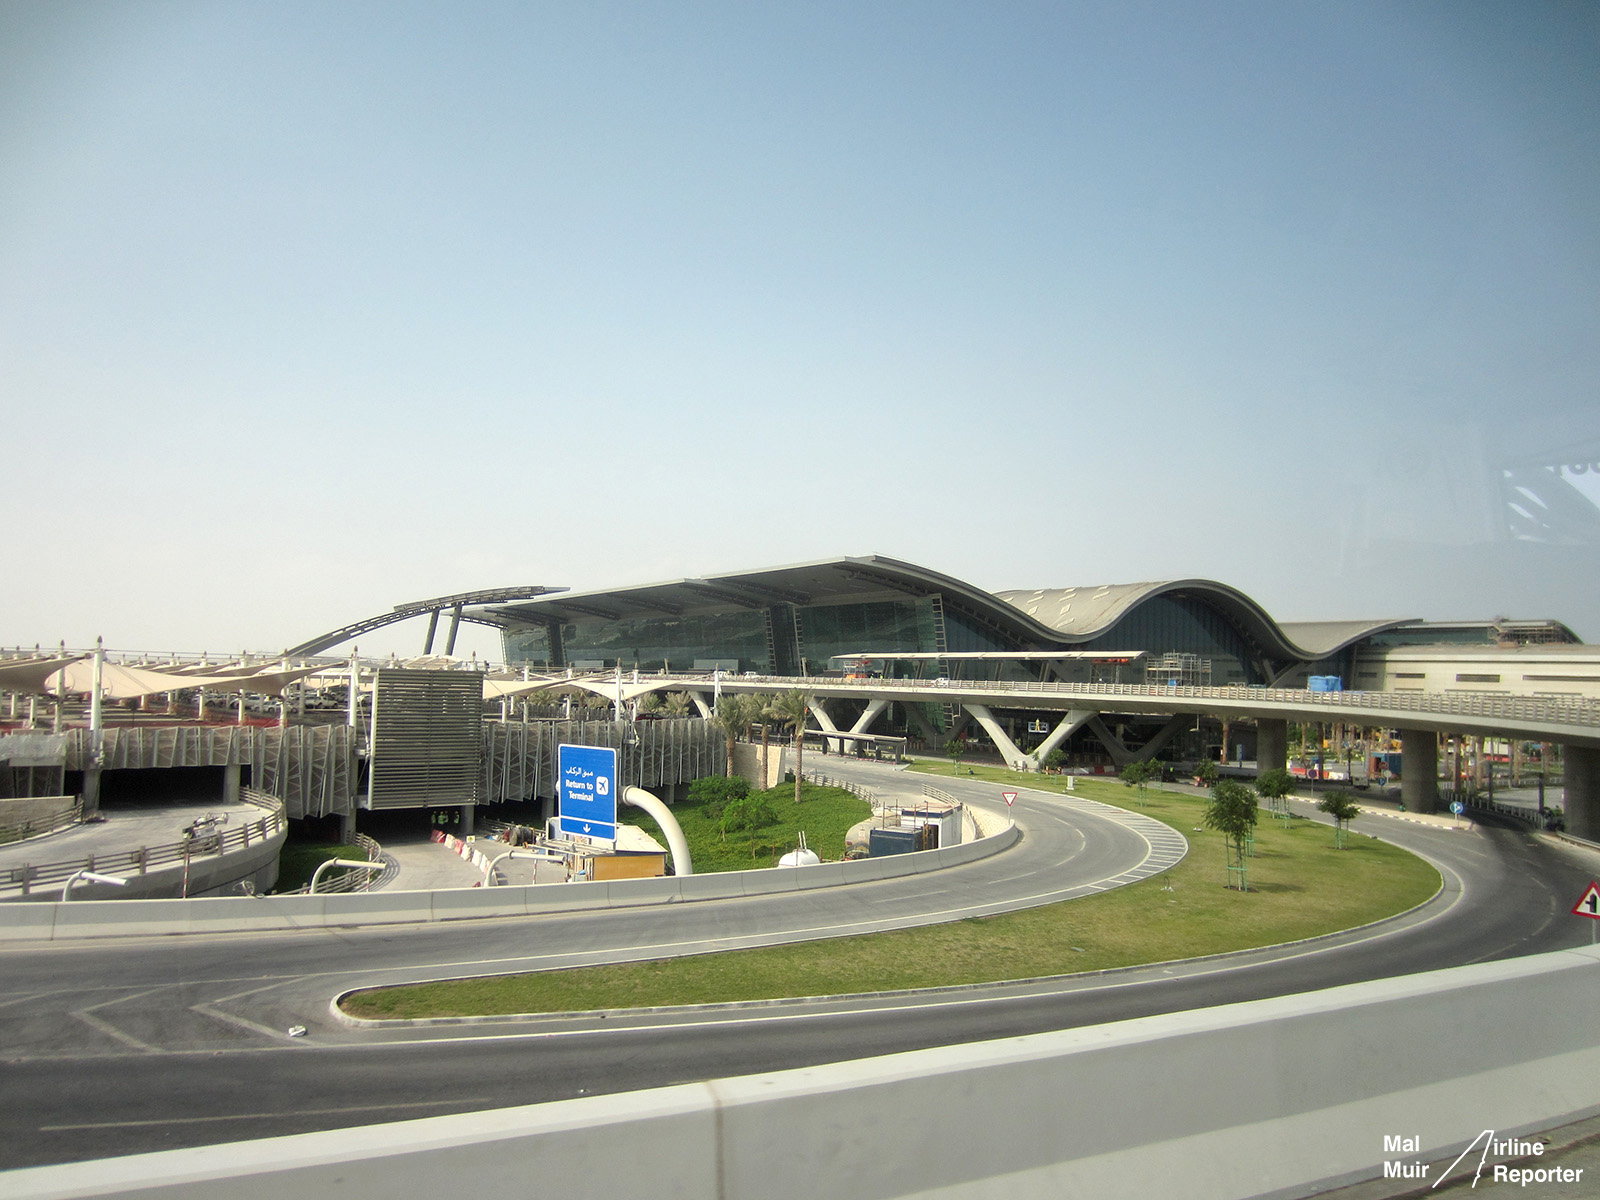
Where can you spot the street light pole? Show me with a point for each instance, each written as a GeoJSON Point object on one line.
{"type": "Point", "coordinates": [88, 876]}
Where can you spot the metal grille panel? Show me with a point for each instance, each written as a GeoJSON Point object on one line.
{"type": "Point", "coordinates": [427, 739]}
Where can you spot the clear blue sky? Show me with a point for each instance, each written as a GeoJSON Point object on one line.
{"type": "Point", "coordinates": [310, 309]}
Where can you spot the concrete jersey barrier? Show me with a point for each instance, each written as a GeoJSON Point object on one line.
{"type": "Point", "coordinates": [1271, 1098]}
{"type": "Point", "coordinates": [55, 921]}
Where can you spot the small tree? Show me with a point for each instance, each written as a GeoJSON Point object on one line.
{"type": "Point", "coordinates": [793, 708]}
{"type": "Point", "coordinates": [715, 792]}
{"type": "Point", "coordinates": [748, 813]}
{"type": "Point", "coordinates": [1274, 787]}
{"type": "Point", "coordinates": [1138, 774]}
{"type": "Point", "coordinates": [1232, 812]}
{"type": "Point", "coordinates": [1343, 810]}
{"type": "Point", "coordinates": [955, 749]}
{"type": "Point", "coordinates": [678, 704]}
{"type": "Point", "coordinates": [1206, 772]}
{"type": "Point", "coordinates": [1055, 760]}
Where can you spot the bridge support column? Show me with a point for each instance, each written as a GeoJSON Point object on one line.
{"type": "Point", "coordinates": [1015, 759]}
{"type": "Point", "coordinates": [701, 704]}
{"type": "Point", "coordinates": [455, 625]}
{"type": "Point", "coordinates": [916, 717]}
{"type": "Point", "coordinates": [1272, 744]}
{"type": "Point", "coordinates": [1581, 772]}
{"type": "Point", "coordinates": [819, 710]}
{"type": "Point", "coordinates": [230, 783]}
{"type": "Point", "coordinates": [433, 628]}
{"type": "Point", "coordinates": [864, 722]}
{"type": "Point", "coordinates": [1419, 770]}
{"type": "Point", "coordinates": [1069, 725]}
{"type": "Point", "coordinates": [347, 827]}
{"type": "Point", "coordinates": [468, 811]}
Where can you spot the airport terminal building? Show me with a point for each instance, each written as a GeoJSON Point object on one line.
{"type": "Point", "coordinates": [883, 617]}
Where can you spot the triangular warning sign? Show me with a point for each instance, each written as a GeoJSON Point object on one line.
{"type": "Point", "coordinates": [1011, 798]}
{"type": "Point", "coordinates": [1589, 906]}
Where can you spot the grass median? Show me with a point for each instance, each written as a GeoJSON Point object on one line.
{"type": "Point", "coordinates": [1300, 887]}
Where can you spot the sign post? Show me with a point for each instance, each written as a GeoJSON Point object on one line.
{"type": "Point", "coordinates": [586, 794]}
{"type": "Point", "coordinates": [1589, 906]}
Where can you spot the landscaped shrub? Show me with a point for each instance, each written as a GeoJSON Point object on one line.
{"type": "Point", "coordinates": [716, 792]}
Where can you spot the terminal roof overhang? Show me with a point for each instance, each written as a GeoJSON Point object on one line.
{"type": "Point", "coordinates": [1047, 618]}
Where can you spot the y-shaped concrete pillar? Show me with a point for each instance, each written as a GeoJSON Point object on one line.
{"type": "Point", "coordinates": [1015, 759]}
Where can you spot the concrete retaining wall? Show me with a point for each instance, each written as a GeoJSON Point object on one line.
{"type": "Point", "coordinates": [39, 810]}
{"type": "Point", "coordinates": [1282, 1097]}
{"type": "Point", "coordinates": [54, 921]}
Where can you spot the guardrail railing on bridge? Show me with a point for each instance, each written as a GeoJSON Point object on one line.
{"type": "Point", "coordinates": [1551, 710]}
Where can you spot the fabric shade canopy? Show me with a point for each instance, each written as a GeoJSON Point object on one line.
{"type": "Point", "coordinates": [118, 682]}
{"type": "Point", "coordinates": [31, 674]}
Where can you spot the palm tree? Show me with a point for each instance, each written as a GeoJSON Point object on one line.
{"type": "Point", "coordinates": [763, 709]}
{"type": "Point", "coordinates": [732, 719]}
{"type": "Point", "coordinates": [793, 707]}
{"type": "Point", "coordinates": [678, 704]}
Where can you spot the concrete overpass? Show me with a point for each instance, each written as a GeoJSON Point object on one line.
{"type": "Point", "coordinates": [1418, 716]}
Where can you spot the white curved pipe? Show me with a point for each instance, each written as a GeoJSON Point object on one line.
{"type": "Point", "coordinates": [88, 876]}
{"type": "Point", "coordinates": [316, 876]}
{"type": "Point", "coordinates": [676, 842]}
{"type": "Point", "coordinates": [488, 872]}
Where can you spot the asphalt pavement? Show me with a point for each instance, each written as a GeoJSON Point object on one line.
{"type": "Point", "coordinates": [142, 1044]}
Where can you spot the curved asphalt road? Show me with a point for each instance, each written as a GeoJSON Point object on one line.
{"type": "Point", "coordinates": [143, 1044]}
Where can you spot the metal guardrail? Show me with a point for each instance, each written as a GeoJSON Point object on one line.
{"type": "Point", "coordinates": [21, 831]}
{"type": "Point", "coordinates": [52, 876]}
{"type": "Point", "coordinates": [353, 880]}
{"type": "Point", "coordinates": [822, 780]}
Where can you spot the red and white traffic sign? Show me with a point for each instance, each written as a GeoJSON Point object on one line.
{"type": "Point", "coordinates": [1589, 906]}
{"type": "Point", "coordinates": [1011, 798]}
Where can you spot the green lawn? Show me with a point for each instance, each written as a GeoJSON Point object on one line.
{"type": "Point", "coordinates": [824, 813]}
{"type": "Point", "coordinates": [1301, 887]}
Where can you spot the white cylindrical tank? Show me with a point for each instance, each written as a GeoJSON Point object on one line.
{"type": "Point", "coordinates": [799, 858]}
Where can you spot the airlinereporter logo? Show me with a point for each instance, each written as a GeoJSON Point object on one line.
{"type": "Point", "coordinates": [1483, 1170]}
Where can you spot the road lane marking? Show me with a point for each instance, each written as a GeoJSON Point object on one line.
{"type": "Point", "coordinates": [110, 1030]}
{"type": "Point", "coordinates": [266, 1116]}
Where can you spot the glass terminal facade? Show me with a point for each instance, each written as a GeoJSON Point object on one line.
{"type": "Point", "coordinates": [789, 639]}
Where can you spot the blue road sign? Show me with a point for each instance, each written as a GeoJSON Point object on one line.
{"type": "Point", "coordinates": [587, 791]}
{"type": "Point", "coordinates": [1458, 808]}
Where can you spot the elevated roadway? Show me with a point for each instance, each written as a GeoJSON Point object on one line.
{"type": "Point", "coordinates": [1570, 722]}
{"type": "Point", "coordinates": [1417, 716]}
{"type": "Point", "coordinates": [146, 1043]}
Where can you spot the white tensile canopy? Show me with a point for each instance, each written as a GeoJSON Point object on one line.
{"type": "Point", "coordinates": [29, 675]}
{"type": "Point", "coordinates": [118, 682]}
